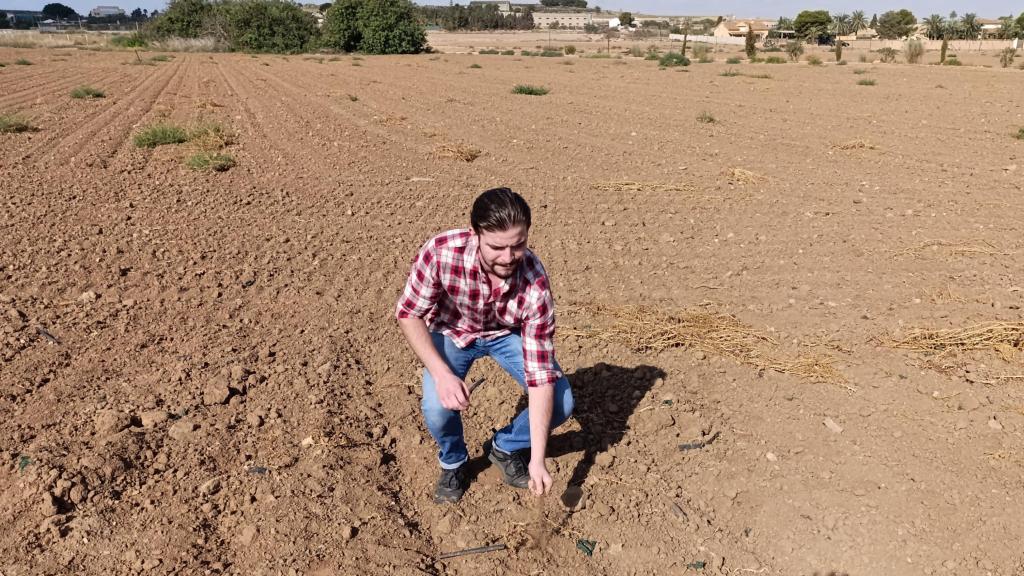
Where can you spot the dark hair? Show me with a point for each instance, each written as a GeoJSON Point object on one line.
{"type": "Point", "coordinates": [499, 209]}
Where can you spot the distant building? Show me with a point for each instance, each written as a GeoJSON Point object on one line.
{"type": "Point", "coordinates": [106, 12]}
{"type": "Point", "coordinates": [739, 28]}
{"type": "Point", "coordinates": [24, 17]}
{"type": "Point", "coordinates": [503, 5]}
{"type": "Point", "coordinates": [575, 20]}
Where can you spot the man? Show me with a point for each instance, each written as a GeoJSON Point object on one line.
{"type": "Point", "coordinates": [482, 292]}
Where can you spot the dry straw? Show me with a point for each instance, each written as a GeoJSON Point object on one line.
{"type": "Point", "coordinates": [958, 248]}
{"type": "Point", "coordinates": [855, 145]}
{"type": "Point", "coordinates": [648, 329]}
{"type": "Point", "coordinates": [627, 186]}
{"type": "Point", "coordinates": [741, 176]}
{"type": "Point", "coordinates": [1002, 337]}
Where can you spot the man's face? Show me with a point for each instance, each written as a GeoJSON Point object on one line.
{"type": "Point", "coordinates": [501, 252]}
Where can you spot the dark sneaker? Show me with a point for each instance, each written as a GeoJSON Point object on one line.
{"type": "Point", "coordinates": [513, 467]}
{"type": "Point", "coordinates": [450, 486]}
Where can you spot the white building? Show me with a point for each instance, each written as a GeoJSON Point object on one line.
{"type": "Point", "coordinates": [565, 19]}
{"type": "Point", "coordinates": [106, 11]}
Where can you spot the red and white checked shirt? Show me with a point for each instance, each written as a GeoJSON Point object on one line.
{"type": "Point", "coordinates": [451, 291]}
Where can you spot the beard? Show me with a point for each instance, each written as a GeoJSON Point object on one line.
{"type": "Point", "coordinates": [503, 271]}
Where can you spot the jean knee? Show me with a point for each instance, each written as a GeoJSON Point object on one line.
{"type": "Point", "coordinates": [564, 404]}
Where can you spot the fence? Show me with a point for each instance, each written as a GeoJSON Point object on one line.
{"type": "Point", "coordinates": [729, 40]}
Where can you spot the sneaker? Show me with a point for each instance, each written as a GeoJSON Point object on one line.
{"type": "Point", "coordinates": [513, 467]}
{"type": "Point", "coordinates": [451, 485]}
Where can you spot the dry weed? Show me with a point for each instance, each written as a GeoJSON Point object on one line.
{"type": "Point", "coordinates": [958, 248]}
{"type": "Point", "coordinates": [648, 329]}
{"type": "Point", "coordinates": [741, 176]}
{"type": "Point", "coordinates": [1003, 337]}
{"type": "Point", "coordinates": [855, 145]}
{"type": "Point", "coordinates": [458, 151]}
{"type": "Point", "coordinates": [626, 186]}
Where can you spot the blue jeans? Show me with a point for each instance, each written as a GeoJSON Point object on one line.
{"type": "Point", "coordinates": [446, 425]}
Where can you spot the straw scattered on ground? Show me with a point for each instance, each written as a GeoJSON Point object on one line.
{"type": "Point", "coordinates": [458, 152]}
{"type": "Point", "coordinates": [648, 329]}
{"type": "Point", "coordinates": [855, 145]}
{"type": "Point", "coordinates": [960, 248]}
{"type": "Point", "coordinates": [628, 186]}
{"type": "Point", "coordinates": [1002, 337]}
{"type": "Point", "coordinates": [741, 176]}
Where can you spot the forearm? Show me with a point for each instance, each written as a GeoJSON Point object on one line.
{"type": "Point", "coordinates": [542, 400]}
{"type": "Point", "coordinates": [415, 330]}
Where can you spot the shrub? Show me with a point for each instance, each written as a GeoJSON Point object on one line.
{"type": "Point", "coordinates": [951, 61]}
{"type": "Point", "coordinates": [865, 82]}
{"type": "Point", "coordinates": [13, 124]}
{"type": "Point", "coordinates": [814, 60]}
{"type": "Point", "coordinates": [508, 53]}
{"type": "Point", "coordinates": [914, 49]}
{"type": "Point", "coordinates": [1006, 57]}
{"type": "Point", "coordinates": [133, 40]}
{"type": "Point", "coordinates": [22, 62]}
{"type": "Point", "coordinates": [391, 27]}
{"type": "Point", "coordinates": [529, 90]}
{"type": "Point", "coordinates": [674, 59]}
{"type": "Point", "coordinates": [488, 51]}
{"type": "Point", "coordinates": [732, 60]}
{"type": "Point", "coordinates": [341, 28]}
{"type": "Point", "coordinates": [1020, 134]}
{"type": "Point", "coordinates": [706, 59]}
{"type": "Point", "coordinates": [652, 56]}
{"type": "Point", "coordinates": [700, 50]}
{"type": "Point", "coordinates": [729, 73]}
{"type": "Point", "coordinates": [87, 92]}
{"type": "Point", "coordinates": [705, 117]}
{"type": "Point", "coordinates": [775, 60]}
{"type": "Point", "coordinates": [475, 66]}
{"type": "Point", "coordinates": [159, 135]}
{"type": "Point", "coordinates": [887, 54]}
{"type": "Point", "coordinates": [551, 54]}
{"type": "Point", "coordinates": [570, 49]}
{"type": "Point", "coordinates": [182, 19]}
{"type": "Point", "coordinates": [859, 71]}
{"type": "Point", "coordinates": [275, 26]}
{"type": "Point", "coordinates": [795, 49]}
{"type": "Point", "coordinates": [210, 161]}
{"type": "Point", "coordinates": [637, 52]}
{"type": "Point", "coordinates": [750, 45]}
{"type": "Point", "coordinates": [761, 76]}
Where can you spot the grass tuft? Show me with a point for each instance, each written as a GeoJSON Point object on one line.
{"type": "Point", "coordinates": [210, 162]}
{"type": "Point", "coordinates": [814, 60]}
{"type": "Point", "coordinates": [865, 82]}
{"type": "Point", "coordinates": [732, 60]}
{"type": "Point", "coordinates": [730, 73]}
{"type": "Point", "coordinates": [1020, 134]}
{"type": "Point", "coordinates": [529, 90]}
{"type": "Point", "coordinates": [859, 71]}
{"type": "Point", "coordinates": [706, 117]}
{"type": "Point", "coordinates": [475, 66]}
{"type": "Point", "coordinates": [13, 124]}
{"type": "Point", "coordinates": [87, 92]}
{"type": "Point", "coordinates": [160, 135]}
{"type": "Point", "coordinates": [775, 60]}
{"type": "Point", "coordinates": [22, 62]}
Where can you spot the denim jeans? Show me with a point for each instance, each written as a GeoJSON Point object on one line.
{"type": "Point", "coordinates": [446, 425]}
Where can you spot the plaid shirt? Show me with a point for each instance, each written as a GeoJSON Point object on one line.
{"type": "Point", "coordinates": [448, 288]}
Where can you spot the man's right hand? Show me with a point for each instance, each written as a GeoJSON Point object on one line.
{"type": "Point", "coordinates": [452, 392]}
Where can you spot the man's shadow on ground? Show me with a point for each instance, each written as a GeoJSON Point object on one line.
{"type": "Point", "coordinates": [605, 396]}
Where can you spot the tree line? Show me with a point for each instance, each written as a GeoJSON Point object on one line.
{"type": "Point", "coordinates": [818, 26]}
{"type": "Point", "coordinates": [476, 17]}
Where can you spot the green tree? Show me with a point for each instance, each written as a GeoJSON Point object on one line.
{"type": "Point", "coordinates": [626, 18]}
{"type": "Point", "coordinates": [277, 26]}
{"type": "Point", "coordinates": [4, 22]}
{"type": "Point", "coordinates": [858, 21]}
{"type": "Point", "coordinates": [1020, 25]}
{"type": "Point", "coordinates": [751, 45]}
{"type": "Point", "coordinates": [390, 27]}
{"type": "Point", "coordinates": [325, 7]}
{"type": "Point", "coordinates": [182, 19]}
{"type": "Point", "coordinates": [874, 22]}
{"type": "Point", "coordinates": [935, 27]}
{"type": "Point", "coordinates": [58, 11]}
{"type": "Point", "coordinates": [812, 25]}
{"type": "Point", "coordinates": [970, 26]}
{"type": "Point", "coordinates": [896, 24]}
{"type": "Point", "coordinates": [840, 24]}
{"type": "Point", "coordinates": [341, 29]}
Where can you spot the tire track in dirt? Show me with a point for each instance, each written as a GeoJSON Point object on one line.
{"type": "Point", "coordinates": [126, 112]}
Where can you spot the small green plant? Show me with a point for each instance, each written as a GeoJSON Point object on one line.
{"type": "Point", "coordinates": [87, 92]}
{"type": "Point", "coordinates": [129, 41]}
{"type": "Point", "coordinates": [914, 50]}
{"type": "Point", "coordinates": [353, 98]}
{"type": "Point", "coordinates": [860, 71]}
{"type": "Point", "coordinates": [475, 66]}
{"type": "Point", "coordinates": [865, 82]}
{"type": "Point", "coordinates": [13, 124]}
{"type": "Point", "coordinates": [761, 76]}
{"type": "Point", "coordinates": [570, 49]}
{"type": "Point", "coordinates": [951, 61]}
{"type": "Point", "coordinates": [730, 73]}
{"type": "Point", "coordinates": [161, 58]}
{"type": "Point", "coordinates": [795, 49]}
{"type": "Point", "coordinates": [22, 62]}
{"type": "Point", "coordinates": [489, 51]}
{"type": "Point", "coordinates": [529, 90]}
{"type": "Point", "coordinates": [159, 135]}
{"type": "Point", "coordinates": [508, 53]}
{"type": "Point", "coordinates": [673, 59]}
{"type": "Point", "coordinates": [705, 117]}
{"type": "Point", "coordinates": [775, 60]}
{"type": "Point", "coordinates": [887, 55]}
{"type": "Point", "coordinates": [732, 60]}
{"type": "Point", "coordinates": [1020, 134]}
{"type": "Point", "coordinates": [814, 60]}
{"type": "Point", "coordinates": [652, 56]}
{"type": "Point", "coordinates": [1006, 57]}
{"type": "Point", "coordinates": [210, 161]}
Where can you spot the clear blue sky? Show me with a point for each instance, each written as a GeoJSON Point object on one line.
{"type": "Point", "coordinates": [752, 8]}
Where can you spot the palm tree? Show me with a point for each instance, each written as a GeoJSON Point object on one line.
{"type": "Point", "coordinates": [971, 27]}
{"type": "Point", "coordinates": [840, 24]}
{"type": "Point", "coordinates": [935, 26]}
{"type": "Point", "coordinates": [857, 21]}
{"type": "Point", "coordinates": [954, 28]}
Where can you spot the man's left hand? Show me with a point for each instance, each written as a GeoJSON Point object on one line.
{"type": "Point", "coordinates": [540, 480]}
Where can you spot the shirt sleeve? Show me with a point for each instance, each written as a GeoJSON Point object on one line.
{"type": "Point", "coordinates": [538, 334]}
{"type": "Point", "coordinates": [423, 286]}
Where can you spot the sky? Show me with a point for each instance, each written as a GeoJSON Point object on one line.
{"type": "Point", "coordinates": [739, 8]}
